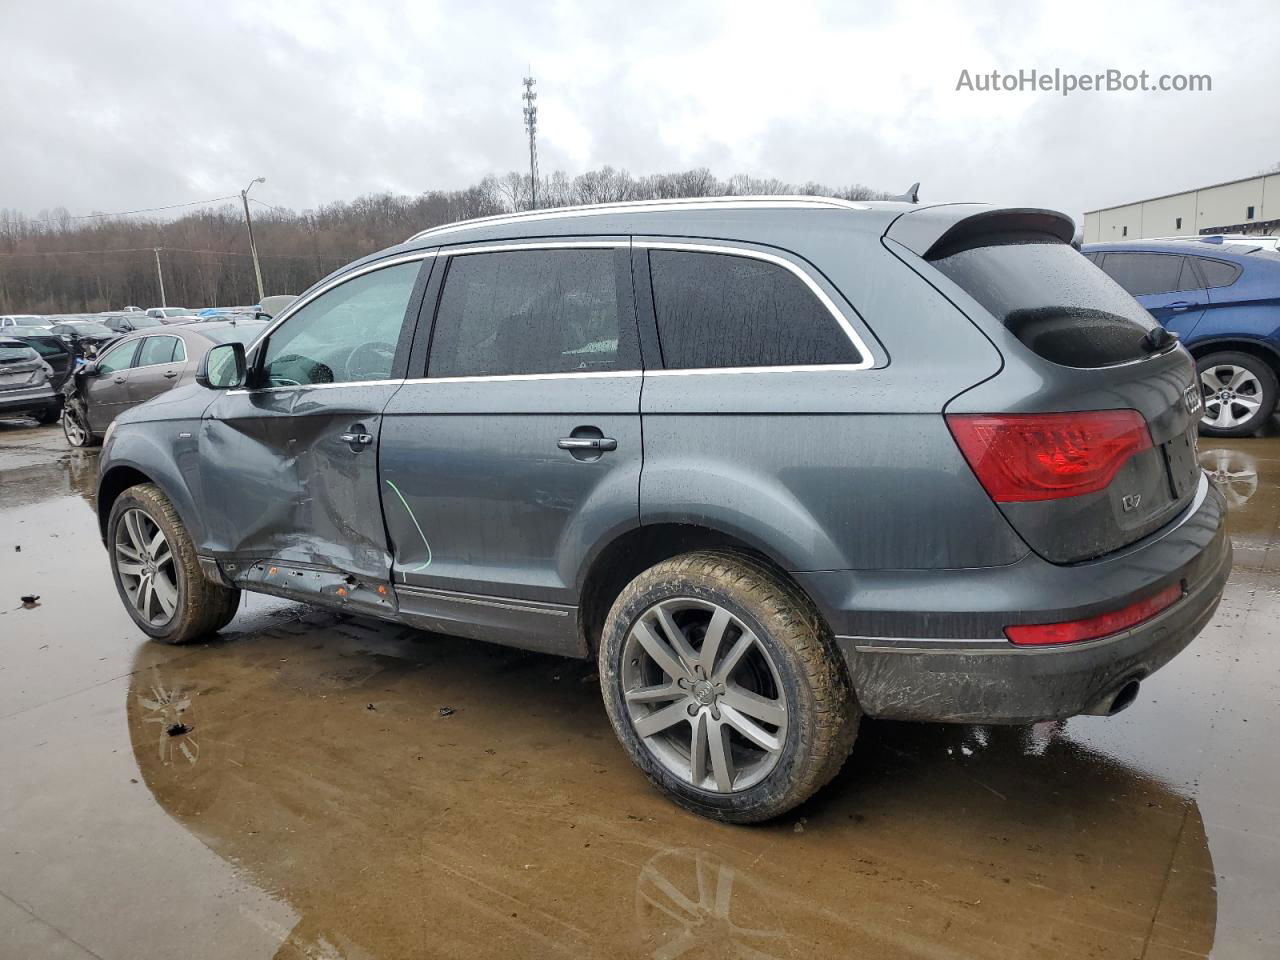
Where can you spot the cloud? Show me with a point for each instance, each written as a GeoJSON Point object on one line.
{"type": "Point", "coordinates": [134, 104]}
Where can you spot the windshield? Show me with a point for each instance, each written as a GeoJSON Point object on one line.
{"type": "Point", "coordinates": [244, 333]}
{"type": "Point", "coordinates": [29, 321]}
{"type": "Point", "coordinates": [89, 330]}
{"type": "Point", "coordinates": [141, 321]}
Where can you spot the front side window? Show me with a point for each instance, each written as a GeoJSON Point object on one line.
{"type": "Point", "coordinates": [722, 310]}
{"type": "Point", "coordinates": [347, 334]}
{"type": "Point", "coordinates": [534, 311]}
{"type": "Point", "coordinates": [157, 350]}
{"type": "Point", "coordinates": [118, 358]}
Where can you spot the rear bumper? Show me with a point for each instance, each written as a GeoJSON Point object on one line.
{"type": "Point", "coordinates": [17, 403]}
{"type": "Point", "coordinates": [939, 652]}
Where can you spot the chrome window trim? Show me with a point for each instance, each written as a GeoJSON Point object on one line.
{"type": "Point", "coordinates": [647, 206]}
{"type": "Point", "coordinates": [623, 243]}
{"type": "Point", "coordinates": [567, 375]}
{"type": "Point", "coordinates": [737, 250]}
{"type": "Point", "coordinates": [392, 381]}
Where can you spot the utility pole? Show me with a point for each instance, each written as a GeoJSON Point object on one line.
{"type": "Point", "coordinates": [531, 125]}
{"type": "Point", "coordinates": [159, 276]}
{"type": "Point", "coordinates": [248, 222]}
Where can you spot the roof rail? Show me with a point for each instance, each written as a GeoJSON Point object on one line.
{"type": "Point", "coordinates": [684, 203]}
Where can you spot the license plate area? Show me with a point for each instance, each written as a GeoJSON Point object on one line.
{"type": "Point", "coordinates": [1183, 463]}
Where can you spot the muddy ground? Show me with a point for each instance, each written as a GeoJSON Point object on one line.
{"type": "Point", "coordinates": [345, 788]}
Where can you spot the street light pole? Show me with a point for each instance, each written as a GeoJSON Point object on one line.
{"type": "Point", "coordinates": [159, 276]}
{"type": "Point", "coordinates": [248, 222]}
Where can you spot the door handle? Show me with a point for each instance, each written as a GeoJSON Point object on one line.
{"type": "Point", "coordinates": [118, 379]}
{"type": "Point", "coordinates": [587, 443]}
{"type": "Point", "coordinates": [169, 374]}
{"type": "Point", "coordinates": [357, 439]}
{"type": "Point", "coordinates": [1179, 305]}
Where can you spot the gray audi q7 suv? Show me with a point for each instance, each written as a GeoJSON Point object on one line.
{"type": "Point", "coordinates": [776, 462]}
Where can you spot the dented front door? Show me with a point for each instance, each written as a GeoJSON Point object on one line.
{"type": "Point", "coordinates": [290, 465]}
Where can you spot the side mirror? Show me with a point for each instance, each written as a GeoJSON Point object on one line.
{"type": "Point", "coordinates": [223, 367]}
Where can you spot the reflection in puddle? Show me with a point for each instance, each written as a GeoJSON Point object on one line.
{"type": "Point", "coordinates": [1233, 471]}
{"type": "Point", "coordinates": [515, 826]}
{"type": "Point", "coordinates": [685, 902]}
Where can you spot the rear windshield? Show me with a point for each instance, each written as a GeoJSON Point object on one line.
{"type": "Point", "coordinates": [1053, 299]}
{"type": "Point", "coordinates": [10, 353]}
{"type": "Point", "coordinates": [92, 330]}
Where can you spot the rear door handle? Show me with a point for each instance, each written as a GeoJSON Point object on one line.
{"type": "Point", "coordinates": [118, 380]}
{"type": "Point", "coordinates": [170, 374]}
{"type": "Point", "coordinates": [587, 443]}
{"type": "Point", "coordinates": [357, 439]}
{"type": "Point", "coordinates": [1179, 305]}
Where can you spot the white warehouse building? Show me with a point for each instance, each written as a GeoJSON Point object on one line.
{"type": "Point", "coordinates": [1251, 205]}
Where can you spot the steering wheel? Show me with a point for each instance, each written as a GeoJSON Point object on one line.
{"type": "Point", "coordinates": [370, 361]}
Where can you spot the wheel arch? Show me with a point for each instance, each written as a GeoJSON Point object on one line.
{"type": "Point", "coordinates": [621, 560]}
{"type": "Point", "coordinates": [1261, 349]}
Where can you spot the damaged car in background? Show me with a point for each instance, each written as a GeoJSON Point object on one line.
{"type": "Point", "coordinates": [24, 383]}
{"type": "Point", "coordinates": [775, 463]}
{"type": "Point", "coordinates": [138, 367]}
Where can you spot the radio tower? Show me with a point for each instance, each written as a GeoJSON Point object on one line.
{"type": "Point", "coordinates": [531, 125]}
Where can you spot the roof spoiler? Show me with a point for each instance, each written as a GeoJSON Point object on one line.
{"type": "Point", "coordinates": [937, 231]}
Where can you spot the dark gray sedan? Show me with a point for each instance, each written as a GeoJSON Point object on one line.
{"type": "Point", "coordinates": [138, 367]}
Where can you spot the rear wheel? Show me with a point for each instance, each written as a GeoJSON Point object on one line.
{"type": "Point", "coordinates": [49, 415]}
{"type": "Point", "coordinates": [1239, 393]}
{"type": "Point", "coordinates": [725, 687]}
{"type": "Point", "coordinates": [157, 575]}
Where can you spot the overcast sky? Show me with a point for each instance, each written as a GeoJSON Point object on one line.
{"type": "Point", "coordinates": [113, 106]}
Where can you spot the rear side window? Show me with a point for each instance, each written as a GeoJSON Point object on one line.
{"type": "Point", "coordinates": [1217, 273]}
{"type": "Point", "coordinates": [1053, 299]}
{"type": "Point", "coordinates": [535, 311]}
{"type": "Point", "coordinates": [156, 350]}
{"type": "Point", "coordinates": [721, 310]}
{"type": "Point", "coordinates": [1147, 273]}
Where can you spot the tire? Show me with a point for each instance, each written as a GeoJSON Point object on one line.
{"type": "Point", "coordinates": [790, 685]}
{"type": "Point", "coordinates": [1239, 392]}
{"type": "Point", "coordinates": [49, 415]}
{"type": "Point", "coordinates": [75, 426]}
{"type": "Point", "coordinates": [181, 605]}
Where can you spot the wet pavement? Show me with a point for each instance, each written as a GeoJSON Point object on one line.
{"type": "Point", "coordinates": [312, 786]}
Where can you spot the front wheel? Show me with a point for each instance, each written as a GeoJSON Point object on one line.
{"type": "Point", "coordinates": [157, 575]}
{"type": "Point", "coordinates": [1239, 393]}
{"type": "Point", "coordinates": [725, 687]}
{"type": "Point", "coordinates": [75, 426]}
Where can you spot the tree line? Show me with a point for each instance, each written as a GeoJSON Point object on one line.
{"type": "Point", "coordinates": [57, 263]}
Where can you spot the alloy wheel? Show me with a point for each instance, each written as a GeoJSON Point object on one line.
{"type": "Point", "coordinates": [704, 695]}
{"type": "Point", "coordinates": [73, 427]}
{"type": "Point", "coordinates": [144, 563]}
{"type": "Point", "coordinates": [1232, 395]}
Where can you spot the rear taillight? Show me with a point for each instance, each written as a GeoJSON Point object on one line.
{"type": "Point", "coordinates": [1046, 456]}
{"type": "Point", "coordinates": [1103, 625]}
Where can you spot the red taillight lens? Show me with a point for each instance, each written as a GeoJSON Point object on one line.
{"type": "Point", "coordinates": [1045, 456]}
{"type": "Point", "coordinates": [1103, 625]}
